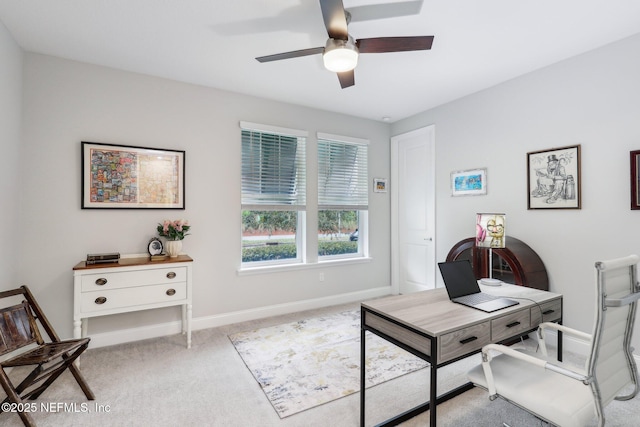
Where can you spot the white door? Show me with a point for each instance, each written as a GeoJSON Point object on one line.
{"type": "Point", "coordinates": [413, 211]}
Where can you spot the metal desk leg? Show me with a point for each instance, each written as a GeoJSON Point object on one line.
{"type": "Point", "coordinates": [362, 373]}
{"type": "Point", "coordinates": [433, 397]}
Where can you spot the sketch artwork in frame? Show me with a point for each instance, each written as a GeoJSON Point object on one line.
{"type": "Point", "coordinates": [469, 182]}
{"type": "Point", "coordinates": [379, 185]}
{"type": "Point", "coordinates": [128, 177]}
{"type": "Point", "coordinates": [553, 178]}
{"type": "Point", "coordinates": [635, 177]}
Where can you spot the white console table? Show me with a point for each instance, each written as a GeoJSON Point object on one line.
{"type": "Point", "coordinates": [131, 284]}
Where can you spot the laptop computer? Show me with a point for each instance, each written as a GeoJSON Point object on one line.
{"type": "Point", "coordinates": [463, 288]}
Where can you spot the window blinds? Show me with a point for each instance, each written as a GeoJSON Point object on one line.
{"type": "Point", "coordinates": [273, 170]}
{"type": "Point", "coordinates": [342, 173]}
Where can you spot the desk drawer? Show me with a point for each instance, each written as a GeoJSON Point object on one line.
{"type": "Point", "coordinates": [398, 332]}
{"type": "Point", "coordinates": [123, 279]}
{"type": "Point", "coordinates": [510, 325]}
{"type": "Point", "coordinates": [549, 311]}
{"type": "Point", "coordinates": [114, 299]}
{"type": "Point", "coordinates": [463, 341]}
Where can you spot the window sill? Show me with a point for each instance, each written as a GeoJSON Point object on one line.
{"type": "Point", "coordinates": [296, 267]}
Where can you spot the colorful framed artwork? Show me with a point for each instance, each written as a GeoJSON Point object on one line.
{"type": "Point", "coordinates": [635, 176]}
{"type": "Point", "coordinates": [469, 182]}
{"type": "Point", "coordinates": [553, 178]}
{"type": "Point", "coordinates": [379, 185]}
{"type": "Point", "coordinates": [127, 177]}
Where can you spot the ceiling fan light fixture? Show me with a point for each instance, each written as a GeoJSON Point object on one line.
{"type": "Point", "coordinates": [340, 55]}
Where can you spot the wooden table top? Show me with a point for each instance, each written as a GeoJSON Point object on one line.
{"type": "Point", "coordinates": [432, 312]}
{"type": "Point", "coordinates": [131, 262]}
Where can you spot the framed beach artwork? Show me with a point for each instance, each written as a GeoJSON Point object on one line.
{"type": "Point", "coordinates": [469, 182]}
{"type": "Point", "coordinates": [127, 177]}
{"type": "Point", "coordinates": [553, 178]}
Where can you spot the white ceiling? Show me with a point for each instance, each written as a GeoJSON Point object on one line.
{"type": "Point", "coordinates": [478, 43]}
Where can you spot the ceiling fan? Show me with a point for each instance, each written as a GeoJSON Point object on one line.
{"type": "Point", "coordinates": [340, 54]}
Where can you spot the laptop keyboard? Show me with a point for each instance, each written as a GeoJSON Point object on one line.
{"type": "Point", "coordinates": [478, 298]}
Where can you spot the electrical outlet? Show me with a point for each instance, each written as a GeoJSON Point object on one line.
{"type": "Point", "coordinates": [321, 277]}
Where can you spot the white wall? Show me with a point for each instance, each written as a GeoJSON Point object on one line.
{"type": "Point", "coordinates": [592, 100]}
{"type": "Point", "coordinates": [67, 102]}
{"type": "Point", "coordinates": [10, 121]}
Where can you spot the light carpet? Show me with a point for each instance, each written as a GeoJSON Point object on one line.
{"type": "Point", "coordinates": [304, 364]}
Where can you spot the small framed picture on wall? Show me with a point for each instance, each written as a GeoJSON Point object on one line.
{"type": "Point", "coordinates": [379, 185]}
{"type": "Point", "coordinates": [471, 182]}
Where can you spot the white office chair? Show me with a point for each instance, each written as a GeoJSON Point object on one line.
{"type": "Point", "coordinates": [563, 395]}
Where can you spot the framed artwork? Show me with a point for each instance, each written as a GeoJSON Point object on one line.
{"type": "Point", "coordinates": [379, 185]}
{"type": "Point", "coordinates": [127, 177]}
{"type": "Point", "coordinates": [469, 183]}
{"type": "Point", "coordinates": [635, 184]}
{"type": "Point", "coordinates": [553, 178]}
{"type": "Point", "coordinates": [155, 246]}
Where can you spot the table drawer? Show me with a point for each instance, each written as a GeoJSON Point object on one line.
{"type": "Point", "coordinates": [398, 332]}
{"type": "Point", "coordinates": [549, 311]}
{"type": "Point", "coordinates": [463, 341]}
{"type": "Point", "coordinates": [510, 325]}
{"type": "Point", "coordinates": [123, 279]}
{"type": "Point", "coordinates": [114, 299]}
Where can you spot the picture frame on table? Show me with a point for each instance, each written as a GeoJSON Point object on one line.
{"type": "Point", "coordinates": [132, 177]}
{"type": "Point", "coordinates": [554, 178]}
{"type": "Point", "coordinates": [472, 182]}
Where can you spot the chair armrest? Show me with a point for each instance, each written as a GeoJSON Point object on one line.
{"type": "Point", "coordinates": [513, 353]}
{"type": "Point", "coordinates": [541, 363]}
{"type": "Point", "coordinates": [564, 329]}
{"type": "Point", "coordinates": [619, 302]}
{"type": "Point", "coordinates": [561, 328]}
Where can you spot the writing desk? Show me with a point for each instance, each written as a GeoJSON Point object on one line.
{"type": "Point", "coordinates": [440, 332]}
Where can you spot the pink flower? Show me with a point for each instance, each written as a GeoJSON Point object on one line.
{"type": "Point", "coordinates": [174, 230]}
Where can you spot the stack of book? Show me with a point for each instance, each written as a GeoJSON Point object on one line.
{"type": "Point", "coordinates": [103, 258]}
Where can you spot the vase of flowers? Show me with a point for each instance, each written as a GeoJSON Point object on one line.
{"type": "Point", "coordinates": [174, 232]}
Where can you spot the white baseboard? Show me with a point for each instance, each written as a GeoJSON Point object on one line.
{"type": "Point", "coordinates": [171, 328]}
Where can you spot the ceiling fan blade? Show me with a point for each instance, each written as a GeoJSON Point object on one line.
{"type": "Point", "coordinates": [385, 10]}
{"type": "Point", "coordinates": [292, 54]}
{"type": "Point", "coordinates": [347, 78]}
{"type": "Point", "coordinates": [394, 44]}
{"type": "Point", "coordinates": [335, 19]}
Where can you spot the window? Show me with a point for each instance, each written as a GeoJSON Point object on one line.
{"type": "Point", "coordinates": [273, 194]}
{"type": "Point", "coordinates": [343, 196]}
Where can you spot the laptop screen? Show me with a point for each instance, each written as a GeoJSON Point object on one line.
{"type": "Point", "coordinates": [458, 278]}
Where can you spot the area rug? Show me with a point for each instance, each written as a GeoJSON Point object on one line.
{"type": "Point", "coordinates": [304, 364]}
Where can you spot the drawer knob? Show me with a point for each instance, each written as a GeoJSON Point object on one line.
{"type": "Point", "coordinates": [101, 300]}
{"type": "Point", "coordinates": [101, 281]}
{"type": "Point", "coordinates": [547, 312]}
{"type": "Point", "coordinates": [511, 325]}
{"type": "Point", "coordinates": [171, 292]}
{"type": "Point", "coordinates": [171, 275]}
{"type": "Point", "coordinates": [468, 340]}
